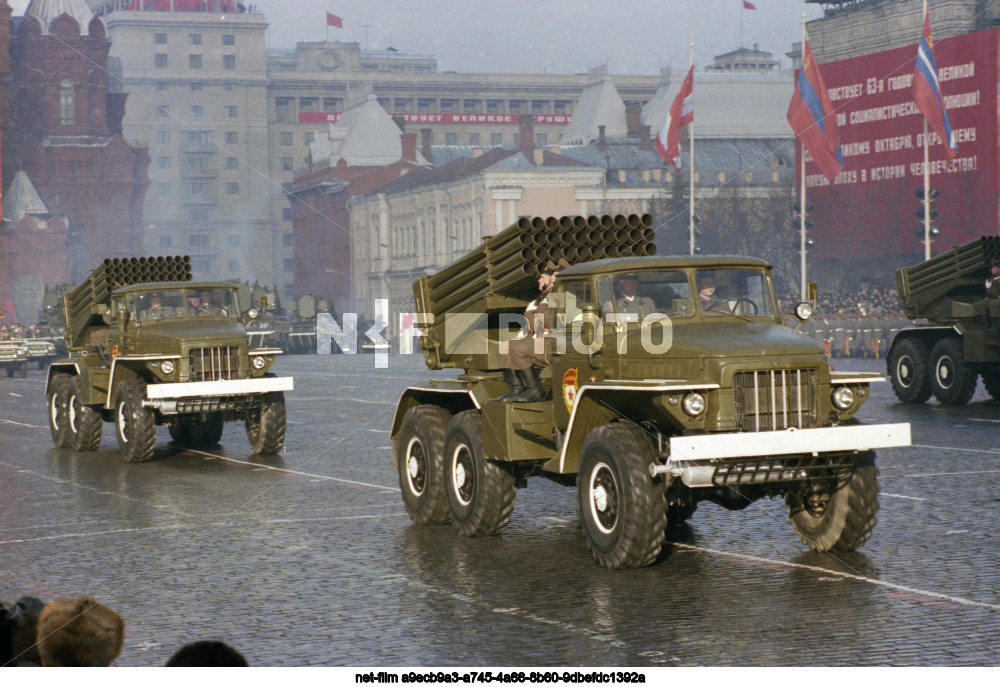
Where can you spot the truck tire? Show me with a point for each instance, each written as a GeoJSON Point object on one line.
{"type": "Point", "coordinates": [22, 369]}
{"type": "Point", "coordinates": [134, 424]}
{"type": "Point", "coordinates": [420, 462]}
{"type": "Point", "coordinates": [57, 401]}
{"type": "Point", "coordinates": [266, 425]}
{"type": "Point", "coordinates": [909, 371]}
{"type": "Point", "coordinates": [845, 521]}
{"type": "Point", "coordinates": [85, 423]}
{"type": "Point", "coordinates": [181, 431]}
{"type": "Point", "coordinates": [624, 510]}
{"type": "Point", "coordinates": [952, 381]}
{"type": "Point", "coordinates": [480, 493]}
{"type": "Point", "coordinates": [991, 380]}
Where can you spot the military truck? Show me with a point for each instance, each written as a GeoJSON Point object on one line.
{"type": "Point", "coordinates": [717, 401]}
{"type": "Point", "coordinates": [952, 344]}
{"type": "Point", "coordinates": [41, 352]}
{"type": "Point", "coordinates": [14, 358]}
{"type": "Point", "coordinates": [148, 346]}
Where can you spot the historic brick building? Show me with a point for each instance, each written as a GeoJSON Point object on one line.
{"type": "Point", "coordinates": [62, 128]}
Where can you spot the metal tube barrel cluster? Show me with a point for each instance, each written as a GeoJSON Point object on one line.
{"type": "Point", "coordinates": [507, 265]}
{"type": "Point", "coordinates": [961, 270]}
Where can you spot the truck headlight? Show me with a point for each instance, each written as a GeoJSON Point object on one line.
{"type": "Point", "coordinates": [804, 311]}
{"type": "Point", "coordinates": [843, 397]}
{"type": "Point", "coordinates": [167, 367]}
{"type": "Point", "coordinates": [259, 362]}
{"type": "Point", "coordinates": [693, 404]}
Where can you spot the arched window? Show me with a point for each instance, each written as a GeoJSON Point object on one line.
{"type": "Point", "coordinates": [66, 113]}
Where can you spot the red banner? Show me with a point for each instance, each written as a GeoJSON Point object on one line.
{"type": "Point", "coordinates": [445, 118]}
{"type": "Point", "coordinates": [869, 209]}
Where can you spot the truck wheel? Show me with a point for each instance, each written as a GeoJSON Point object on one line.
{"type": "Point", "coordinates": [480, 493]}
{"type": "Point", "coordinates": [22, 370]}
{"type": "Point", "coordinates": [909, 371]}
{"type": "Point", "coordinates": [953, 382]}
{"type": "Point", "coordinates": [134, 424]}
{"type": "Point", "coordinates": [991, 380]}
{"type": "Point", "coordinates": [57, 399]}
{"type": "Point", "coordinates": [624, 510]}
{"type": "Point", "coordinates": [85, 423]}
{"type": "Point", "coordinates": [842, 520]}
{"type": "Point", "coordinates": [420, 463]}
{"type": "Point", "coordinates": [266, 425]}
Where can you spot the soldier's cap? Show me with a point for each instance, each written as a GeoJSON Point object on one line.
{"type": "Point", "coordinates": [553, 267]}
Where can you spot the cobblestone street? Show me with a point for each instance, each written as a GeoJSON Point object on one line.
{"type": "Point", "coordinates": [309, 558]}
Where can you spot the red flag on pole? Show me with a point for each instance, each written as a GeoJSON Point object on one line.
{"type": "Point", "coordinates": [749, 5]}
{"type": "Point", "coordinates": [668, 140]}
{"type": "Point", "coordinates": [334, 20]}
{"type": "Point", "coordinates": [813, 119]}
{"type": "Point", "coordinates": [927, 92]}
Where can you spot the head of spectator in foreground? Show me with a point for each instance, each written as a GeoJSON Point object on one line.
{"type": "Point", "coordinates": [78, 633]}
{"type": "Point", "coordinates": [207, 653]}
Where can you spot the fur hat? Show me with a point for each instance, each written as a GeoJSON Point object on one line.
{"type": "Point", "coordinates": [79, 632]}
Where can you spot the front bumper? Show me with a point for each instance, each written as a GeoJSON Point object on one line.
{"type": "Point", "coordinates": [696, 458]}
{"type": "Point", "coordinates": [225, 387]}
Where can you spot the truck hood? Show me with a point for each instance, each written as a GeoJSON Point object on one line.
{"type": "Point", "coordinates": [165, 335]}
{"type": "Point", "coordinates": [737, 338]}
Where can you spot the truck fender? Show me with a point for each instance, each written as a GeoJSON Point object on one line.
{"type": "Point", "coordinates": [452, 400]}
{"type": "Point", "coordinates": [928, 335]}
{"type": "Point", "coordinates": [67, 366]}
{"type": "Point", "coordinates": [592, 408]}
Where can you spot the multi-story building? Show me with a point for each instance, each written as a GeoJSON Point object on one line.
{"type": "Point", "coordinates": [229, 123]}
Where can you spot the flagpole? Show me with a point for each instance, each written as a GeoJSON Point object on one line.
{"type": "Point", "coordinates": [927, 184]}
{"type": "Point", "coordinates": [802, 181]}
{"type": "Point", "coordinates": [691, 151]}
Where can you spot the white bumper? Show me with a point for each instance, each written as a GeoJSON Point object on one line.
{"type": "Point", "coordinates": [693, 458]}
{"type": "Point", "coordinates": [227, 387]}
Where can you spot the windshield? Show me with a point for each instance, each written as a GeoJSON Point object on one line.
{"type": "Point", "coordinates": [151, 306]}
{"type": "Point", "coordinates": [733, 292]}
{"type": "Point", "coordinates": [637, 295]}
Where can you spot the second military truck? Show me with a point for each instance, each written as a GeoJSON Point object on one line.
{"type": "Point", "coordinates": [147, 347]}
{"type": "Point", "coordinates": [698, 400]}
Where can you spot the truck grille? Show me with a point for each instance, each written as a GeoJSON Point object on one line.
{"type": "Point", "coordinates": [774, 399]}
{"type": "Point", "coordinates": [212, 364]}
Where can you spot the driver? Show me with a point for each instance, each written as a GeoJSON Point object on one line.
{"type": "Point", "coordinates": [706, 290]}
{"type": "Point", "coordinates": [205, 306]}
{"type": "Point", "coordinates": [156, 309]}
{"type": "Point", "coordinates": [629, 303]}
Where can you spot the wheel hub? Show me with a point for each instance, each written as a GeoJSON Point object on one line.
{"type": "Point", "coordinates": [600, 496]}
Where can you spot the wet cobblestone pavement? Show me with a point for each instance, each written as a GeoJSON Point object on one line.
{"type": "Point", "coordinates": [309, 558]}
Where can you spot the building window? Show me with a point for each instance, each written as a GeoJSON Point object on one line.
{"type": "Point", "coordinates": [288, 264]}
{"type": "Point", "coordinates": [234, 265]}
{"type": "Point", "coordinates": [194, 39]}
{"type": "Point", "coordinates": [197, 161]}
{"type": "Point", "coordinates": [232, 163]}
{"type": "Point", "coordinates": [231, 111]}
{"type": "Point", "coordinates": [286, 138]}
{"type": "Point", "coordinates": [160, 38]}
{"type": "Point", "coordinates": [193, 136]}
{"type": "Point", "coordinates": [196, 85]}
{"type": "Point", "coordinates": [331, 104]}
{"type": "Point", "coordinates": [451, 139]}
{"type": "Point", "coordinates": [286, 215]}
{"type": "Point", "coordinates": [308, 104]}
{"type": "Point", "coordinates": [402, 105]}
{"type": "Point", "coordinates": [164, 189]}
{"type": "Point", "coordinates": [233, 240]}
{"type": "Point", "coordinates": [67, 116]}
{"type": "Point", "coordinates": [283, 110]}
{"type": "Point", "coordinates": [232, 137]}
{"type": "Point", "coordinates": [198, 240]}
{"type": "Point", "coordinates": [563, 107]}
{"type": "Point", "coordinates": [492, 106]}
{"type": "Point", "coordinates": [229, 61]}
{"type": "Point", "coordinates": [194, 61]}
{"type": "Point", "coordinates": [471, 105]}
{"type": "Point", "coordinates": [540, 106]}
{"type": "Point", "coordinates": [163, 137]}
{"type": "Point", "coordinates": [160, 60]}
{"type": "Point", "coordinates": [162, 85]}
{"type": "Point", "coordinates": [425, 104]}
{"type": "Point", "coordinates": [384, 104]}
{"type": "Point", "coordinates": [165, 240]}
{"type": "Point", "coordinates": [163, 163]}
{"type": "Point", "coordinates": [286, 164]}
{"type": "Point", "coordinates": [496, 139]}
{"type": "Point", "coordinates": [448, 104]}
{"type": "Point", "coordinates": [201, 265]}
{"type": "Point", "coordinates": [198, 188]}
{"type": "Point", "coordinates": [198, 215]}
{"type": "Point", "coordinates": [515, 106]}
{"type": "Point", "coordinates": [228, 39]}
{"type": "Point", "coordinates": [308, 137]}
{"type": "Point", "coordinates": [197, 110]}
{"type": "Point", "coordinates": [473, 139]}
{"type": "Point", "coordinates": [232, 189]}
{"type": "Point", "coordinates": [286, 238]}
{"type": "Point", "coordinates": [541, 139]}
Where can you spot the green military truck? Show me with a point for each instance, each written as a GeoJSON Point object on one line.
{"type": "Point", "coordinates": [716, 401]}
{"type": "Point", "coordinates": [952, 344]}
{"type": "Point", "coordinates": [41, 352]}
{"type": "Point", "coordinates": [148, 346]}
{"type": "Point", "coordinates": [14, 358]}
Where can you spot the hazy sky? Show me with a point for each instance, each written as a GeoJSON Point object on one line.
{"type": "Point", "coordinates": [535, 36]}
